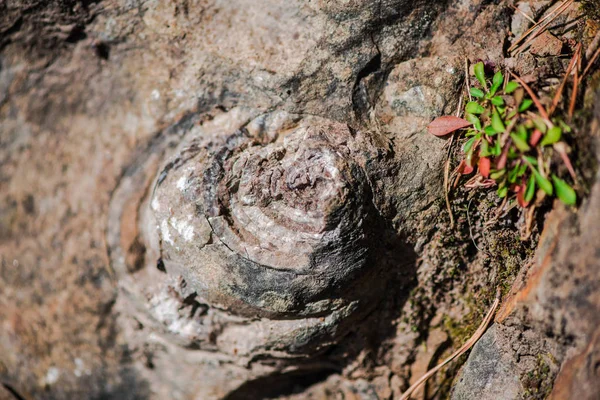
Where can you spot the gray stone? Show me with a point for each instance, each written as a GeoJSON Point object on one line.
{"type": "Point", "coordinates": [490, 373]}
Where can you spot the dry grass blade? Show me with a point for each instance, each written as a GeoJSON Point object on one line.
{"type": "Point", "coordinates": [537, 24]}
{"type": "Point", "coordinates": [480, 331]}
{"type": "Point", "coordinates": [535, 99]}
{"type": "Point", "coordinates": [517, 9]}
{"type": "Point", "coordinates": [542, 28]}
{"type": "Point", "coordinates": [590, 63]}
{"type": "Point", "coordinates": [559, 92]}
{"type": "Point", "coordinates": [593, 46]}
{"type": "Point", "coordinates": [575, 86]}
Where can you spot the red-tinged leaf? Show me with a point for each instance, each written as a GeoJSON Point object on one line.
{"type": "Point", "coordinates": [442, 126]}
{"type": "Point", "coordinates": [484, 167]}
{"type": "Point", "coordinates": [464, 168]}
{"type": "Point", "coordinates": [521, 196]}
{"type": "Point", "coordinates": [515, 188]}
{"type": "Point", "coordinates": [535, 137]}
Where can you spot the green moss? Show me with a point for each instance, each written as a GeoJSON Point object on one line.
{"type": "Point", "coordinates": [538, 383]}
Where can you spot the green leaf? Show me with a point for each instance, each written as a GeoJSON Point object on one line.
{"type": "Point", "coordinates": [540, 125]}
{"type": "Point", "coordinates": [531, 160]}
{"type": "Point", "coordinates": [530, 191]}
{"type": "Point", "coordinates": [512, 175]}
{"type": "Point", "coordinates": [468, 145]}
{"type": "Point", "coordinates": [474, 120]}
{"type": "Point", "coordinates": [497, 150]}
{"type": "Point", "coordinates": [511, 87]}
{"type": "Point", "coordinates": [522, 170]}
{"type": "Point", "coordinates": [502, 192]}
{"type": "Point", "coordinates": [490, 131]}
{"type": "Point", "coordinates": [496, 82]}
{"type": "Point", "coordinates": [473, 107]}
{"type": "Point", "coordinates": [497, 123]}
{"type": "Point", "coordinates": [479, 70]}
{"type": "Point", "coordinates": [497, 174]}
{"type": "Point", "coordinates": [566, 128]}
{"type": "Point", "coordinates": [497, 101]}
{"type": "Point", "coordinates": [477, 93]}
{"type": "Point", "coordinates": [484, 149]}
{"type": "Point", "coordinates": [542, 182]}
{"type": "Point", "coordinates": [565, 193]}
{"type": "Point", "coordinates": [498, 79]}
{"type": "Point", "coordinates": [520, 143]}
{"type": "Point", "coordinates": [552, 136]}
{"type": "Point", "coordinates": [525, 105]}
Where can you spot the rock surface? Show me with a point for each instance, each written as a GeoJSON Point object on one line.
{"type": "Point", "coordinates": [489, 373]}
{"type": "Point", "coordinates": [96, 301]}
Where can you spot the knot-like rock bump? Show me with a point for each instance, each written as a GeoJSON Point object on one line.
{"type": "Point", "coordinates": [283, 204]}
{"type": "Point", "coordinates": [267, 224]}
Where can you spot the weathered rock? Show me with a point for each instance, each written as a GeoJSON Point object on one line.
{"type": "Point", "coordinates": [268, 226]}
{"type": "Point", "coordinates": [97, 96]}
{"type": "Point", "coordinates": [490, 373]}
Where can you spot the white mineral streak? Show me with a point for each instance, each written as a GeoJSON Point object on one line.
{"type": "Point", "coordinates": [181, 183]}
{"type": "Point", "coordinates": [184, 229]}
{"type": "Point", "coordinates": [52, 375]}
{"type": "Point", "coordinates": [164, 230]}
{"type": "Point", "coordinates": [155, 204]}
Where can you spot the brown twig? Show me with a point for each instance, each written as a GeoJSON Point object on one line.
{"type": "Point", "coordinates": [523, 14]}
{"type": "Point", "coordinates": [575, 85]}
{"type": "Point", "coordinates": [529, 214]}
{"type": "Point", "coordinates": [559, 92]}
{"type": "Point", "coordinates": [593, 46]}
{"type": "Point", "coordinates": [480, 331]}
{"type": "Point", "coordinates": [591, 62]}
{"type": "Point", "coordinates": [562, 148]}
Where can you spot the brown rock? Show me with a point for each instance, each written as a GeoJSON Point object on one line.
{"type": "Point", "coordinates": [546, 44]}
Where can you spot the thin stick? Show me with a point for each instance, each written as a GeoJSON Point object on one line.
{"type": "Point", "coordinates": [590, 63]}
{"type": "Point", "coordinates": [537, 24]}
{"type": "Point", "coordinates": [559, 92]}
{"type": "Point", "coordinates": [593, 46]}
{"type": "Point", "coordinates": [544, 26]}
{"type": "Point", "coordinates": [523, 14]}
{"type": "Point", "coordinates": [480, 331]}
{"type": "Point", "coordinates": [575, 86]}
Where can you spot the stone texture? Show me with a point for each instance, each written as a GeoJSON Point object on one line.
{"type": "Point", "coordinates": [490, 373]}
{"type": "Point", "coordinates": [95, 96]}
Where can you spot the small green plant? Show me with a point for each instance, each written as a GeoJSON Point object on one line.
{"type": "Point", "coordinates": [513, 147]}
